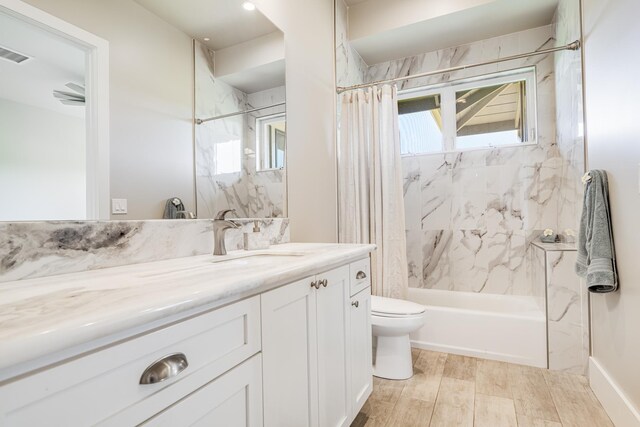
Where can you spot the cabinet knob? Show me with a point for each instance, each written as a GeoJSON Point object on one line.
{"type": "Point", "coordinates": [324, 282]}
{"type": "Point", "coordinates": [356, 304]}
{"type": "Point", "coordinates": [165, 368]}
{"type": "Point", "coordinates": [361, 275]}
{"type": "Point", "coordinates": [315, 284]}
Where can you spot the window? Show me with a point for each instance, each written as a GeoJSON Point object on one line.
{"type": "Point", "coordinates": [228, 157]}
{"type": "Point", "coordinates": [271, 141]}
{"type": "Point", "coordinates": [491, 111]}
{"type": "Point", "coordinates": [420, 121]}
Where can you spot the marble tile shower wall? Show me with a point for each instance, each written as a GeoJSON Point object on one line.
{"type": "Point", "coordinates": [570, 119]}
{"type": "Point", "coordinates": [350, 68]}
{"type": "Point", "coordinates": [38, 249]}
{"type": "Point", "coordinates": [252, 194]}
{"type": "Point", "coordinates": [471, 214]}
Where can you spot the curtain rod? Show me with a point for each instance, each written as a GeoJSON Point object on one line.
{"type": "Point", "coordinates": [237, 113]}
{"type": "Point", "coordinates": [571, 46]}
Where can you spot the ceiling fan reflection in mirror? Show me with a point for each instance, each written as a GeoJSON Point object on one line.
{"type": "Point", "coordinates": [75, 98]}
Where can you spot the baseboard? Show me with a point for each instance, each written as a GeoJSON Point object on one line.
{"type": "Point", "coordinates": [613, 400]}
{"type": "Point", "coordinates": [477, 353]}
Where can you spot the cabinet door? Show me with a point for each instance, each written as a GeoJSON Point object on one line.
{"type": "Point", "coordinates": [289, 362]}
{"type": "Point", "coordinates": [333, 330]}
{"type": "Point", "coordinates": [233, 400]}
{"type": "Point", "coordinates": [360, 350]}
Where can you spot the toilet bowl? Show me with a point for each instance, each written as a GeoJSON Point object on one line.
{"type": "Point", "coordinates": [392, 320]}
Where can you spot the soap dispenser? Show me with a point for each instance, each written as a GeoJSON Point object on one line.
{"type": "Point", "coordinates": [255, 240]}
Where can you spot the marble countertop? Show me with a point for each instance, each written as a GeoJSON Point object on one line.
{"type": "Point", "coordinates": [554, 246]}
{"type": "Point", "coordinates": [49, 319]}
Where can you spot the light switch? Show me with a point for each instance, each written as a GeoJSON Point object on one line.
{"type": "Point", "coordinates": [118, 206]}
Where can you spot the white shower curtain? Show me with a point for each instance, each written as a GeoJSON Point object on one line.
{"type": "Point", "coordinates": [371, 205]}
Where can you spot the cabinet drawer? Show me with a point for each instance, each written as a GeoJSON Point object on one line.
{"type": "Point", "coordinates": [360, 275]}
{"type": "Point", "coordinates": [234, 399]}
{"type": "Point", "coordinates": [105, 386]}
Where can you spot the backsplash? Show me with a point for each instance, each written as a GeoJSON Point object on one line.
{"type": "Point", "coordinates": [37, 249]}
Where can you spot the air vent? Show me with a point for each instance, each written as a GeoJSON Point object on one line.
{"type": "Point", "coordinates": [12, 56]}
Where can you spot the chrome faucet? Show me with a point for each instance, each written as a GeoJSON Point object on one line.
{"type": "Point", "coordinates": [220, 226]}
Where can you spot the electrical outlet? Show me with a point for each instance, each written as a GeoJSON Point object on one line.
{"type": "Point", "coordinates": [118, 206]}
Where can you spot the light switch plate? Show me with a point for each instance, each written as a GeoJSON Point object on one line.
{"type": "Point", "coordinates": [118, 206]}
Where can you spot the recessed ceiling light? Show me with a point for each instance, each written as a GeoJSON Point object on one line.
{"type": "Point", "coordinates": [247, 5]}
{"type": "Point", "coordinates": [206, 39]}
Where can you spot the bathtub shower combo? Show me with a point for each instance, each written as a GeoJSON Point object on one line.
{"type": "Point", "coordinates": [509, 328]}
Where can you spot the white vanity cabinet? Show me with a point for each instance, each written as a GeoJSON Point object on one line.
{"type": "Point", "coordinates": [313, 339]}
{"type": "Point", "coordinates": [104, 387]}
{"type": "Point", "coordinates": [297, 355]}
{"type": "Point", "coordinates": [361, 366]}
{"type": "Point", "coordinates": [233, 400]}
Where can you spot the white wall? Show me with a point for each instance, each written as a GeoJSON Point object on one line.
{"type": "Point", "coordinates": [42, 164]}
{"type": "Point", "coordinates": [613, 139]}
{"type": "Point", "coordinates": [250, 54]}
{"type": "Point", "coordinates": [151, 86]}
{"type": "Point", "coordinates": [311, 164]}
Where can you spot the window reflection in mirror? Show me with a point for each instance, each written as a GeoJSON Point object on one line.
{"type": "Point", "coordinates": [270, 143]}
{"type": "Point", "coordinates": [240, 112]}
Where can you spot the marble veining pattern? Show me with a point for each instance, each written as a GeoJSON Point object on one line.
{"type": "Point", "coordinates": [252, 193]}
{"type": "Point", "coordinates": [570, 119]}
{"type": "Point", "coordinates": [78, 308]}
{"type": "Point", "coordinates": [470, 215]}
{"type": "Point", "coordinates": [567, 307]}
{"type": "Point", "coordinates": [38, 249]}
{"type": "Point", "coordinates": [350, 67]}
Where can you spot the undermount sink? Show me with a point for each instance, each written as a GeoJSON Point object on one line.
{"type": "Point", "coordinates": [258, 255]}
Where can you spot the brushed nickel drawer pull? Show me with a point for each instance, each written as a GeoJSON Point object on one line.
{"type": "Point", "coordinates": [361, 275]}
{"type": "Point", "coordinates": [165, 368]}
{"type": "Point", "coordinates": [315, 284]}
{"type": "Point", "coordinates": [356, 304]}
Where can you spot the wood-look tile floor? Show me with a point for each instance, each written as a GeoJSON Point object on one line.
{"type": "Point", "coordinates": [451, 390]}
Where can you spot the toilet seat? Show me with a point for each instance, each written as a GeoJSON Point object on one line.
{"type": "Point", "coordinates": [391, 307]}
{"type": "Point", "coordinates": [392, 320]}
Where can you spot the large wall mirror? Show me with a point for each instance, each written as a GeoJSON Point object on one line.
{"type": "Point", "coordinates": [53, 119]}
{"type": "Point", "coordinates": [198, 110]}
{"type": "Point", "coordinates": [240, 122]}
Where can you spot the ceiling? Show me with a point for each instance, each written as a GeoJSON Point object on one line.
{"type": "Point", "coordinates": [54, 61]}
{"type": "Point", "coordinates": [416, 29]}
{"type": "Point", "coordinates": [224, 22]}
{"type": "Point", "coordinates": [227, 26]}
{"type": "Point", "coordinates": [262, 77]}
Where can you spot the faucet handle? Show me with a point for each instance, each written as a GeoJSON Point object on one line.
{"type": "Point", "coordinates": [223, 213]}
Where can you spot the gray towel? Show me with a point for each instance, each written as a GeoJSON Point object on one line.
{"type": "Point", "coordinates": [596, 252]}
{"type": "Point", "coordinates": [172, 207]}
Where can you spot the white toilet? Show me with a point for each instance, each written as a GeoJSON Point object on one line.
{"type": "Point", "coordinates": [392, 320]}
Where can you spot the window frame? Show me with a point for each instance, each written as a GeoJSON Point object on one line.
{"type": "Point", "coordinates": [447, 92]}
{"type": "Point", "coordinates": [261, 144]}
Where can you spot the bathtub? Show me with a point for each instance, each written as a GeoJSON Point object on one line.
{"type": "Point", "coordinates": [499, 327]}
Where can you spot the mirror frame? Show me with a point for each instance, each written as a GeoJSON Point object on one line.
{"type": "Point", "coordinates": [97, 103]}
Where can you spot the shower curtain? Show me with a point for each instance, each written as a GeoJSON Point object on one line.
{"type": "Point", "coordinates": [371, 205]}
